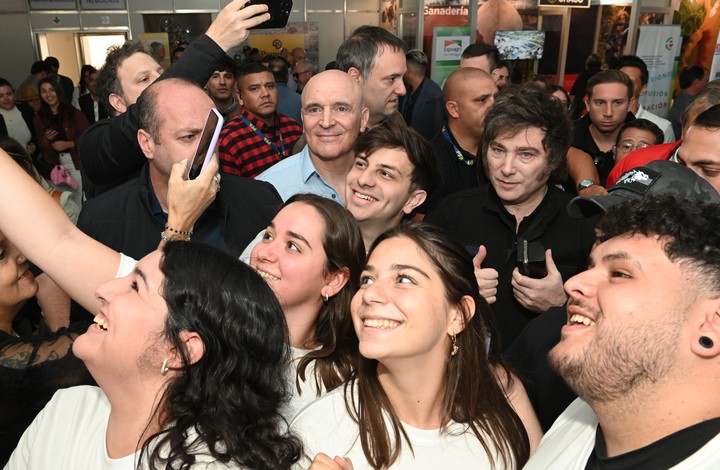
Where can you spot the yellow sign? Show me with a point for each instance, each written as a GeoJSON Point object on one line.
{"type": "Point", "coordinates": [272, 43]}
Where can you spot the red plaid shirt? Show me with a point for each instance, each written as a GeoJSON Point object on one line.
{"type": "Point", "coordinates": [244, 152]}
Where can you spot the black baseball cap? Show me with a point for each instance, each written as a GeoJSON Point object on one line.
{"type": "Point", "coordinates": [655, 177]}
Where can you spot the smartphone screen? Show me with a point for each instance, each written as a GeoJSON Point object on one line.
{"type": "Point", "coordinates": [279, 13]}
{"type": "Point", "coordinates": [206, 144]}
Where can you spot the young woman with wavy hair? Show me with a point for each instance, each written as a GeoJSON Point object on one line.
{"type": "Point", "coordinates": [431, 389]}
{"type": "Point", "coordinates": [311, 256]}
{"type": "Point", "coordinates": [188, 348]}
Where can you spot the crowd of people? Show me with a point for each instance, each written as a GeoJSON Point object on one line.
{"type": "Point", "coordinates": [372, 270]}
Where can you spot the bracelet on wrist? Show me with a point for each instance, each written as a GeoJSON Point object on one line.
{"type": "Point", "coordinates": [174, 238]}
{"type": "Point", "coordinates": [179, 232]}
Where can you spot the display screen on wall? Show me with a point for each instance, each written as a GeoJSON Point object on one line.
{"type": "Point", "coordinates": [102, 4]}
{"type": "Point", "coordinates": [52, 4]}
{"type": "Point", "coordinates": [519, 45]}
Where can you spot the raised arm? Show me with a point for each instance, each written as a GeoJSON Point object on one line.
{"type": "Point", "coordinates": [41, 230]}
{"type": "Point", "coordinates": [109, 150]}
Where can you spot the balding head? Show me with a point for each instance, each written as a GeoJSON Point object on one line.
{"type": "Point", "coordinates": [461, 79]}
{"type": "Point", "coordinates": [169, 112]}
{"type": "Point", "coordinates": [333, 114]}
{"type": "Point", "coordinates": [333, 79]}
{"type": "Point", "coordinates": [469, 93]}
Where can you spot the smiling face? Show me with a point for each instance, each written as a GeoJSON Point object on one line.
{"type": "Point", "coordinates": [332, 114]}
{"type": "Point", "coordinates": [259, 94]}
{"type": "Point", "coordinates": [49, 95]}
{"type": "Point", "coordinates": [384, 84]}
{"type": "Point", "coordinates": [127, 337]}
{"type": "Point", "coordinates": [625, 317]}
{"type": "Point", "coordinates": [17, 283]}
{"type": "Point", "coordinates": [292, 260]}
{"type": "Point", "coordinates": [517, 167]}
{"type": "Point", "coordinates": [608, 106]}
{"type": "Point", "coordinates": [7, 98]}
{"type": "Point", "coordinates": [401, 311]}
{"type": "Point", "coordinates": [378, 188]}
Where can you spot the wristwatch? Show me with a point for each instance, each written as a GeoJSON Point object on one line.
{"type": "Point", "coordinates": [584, 184]}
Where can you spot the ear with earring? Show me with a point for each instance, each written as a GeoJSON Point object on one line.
{"type": "Point", "coordinates": [455, 348]}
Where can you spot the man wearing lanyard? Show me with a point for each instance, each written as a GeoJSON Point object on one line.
{"type": "Point", "coordinates": [469, 92]}
{"type": "Point", "coordinates": [259, 137]}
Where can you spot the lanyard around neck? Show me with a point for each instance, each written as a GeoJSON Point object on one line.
{"type": "Point", "coordinates": [458, 152]}
{"type": "Point", "coordinates": [270, 143]}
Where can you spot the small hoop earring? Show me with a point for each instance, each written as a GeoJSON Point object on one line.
{"type": "Point", "coordinates": [706, 342]}
{"type": "Point", "coordinates": [327, 297]}
{"type": "Point", "coordinates": [164, 367]}
{"type": "Point", "coordinates": [455, 348]}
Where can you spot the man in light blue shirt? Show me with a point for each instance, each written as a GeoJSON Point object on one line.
{"type": "Point", "coordinates": [333, 115]}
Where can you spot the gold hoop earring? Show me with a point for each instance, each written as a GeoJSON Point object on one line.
{"type": "Point", "coordinates": [455, 348]}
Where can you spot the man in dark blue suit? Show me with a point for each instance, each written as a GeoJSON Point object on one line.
{"type": "Point", "coordinates": [418, 106]}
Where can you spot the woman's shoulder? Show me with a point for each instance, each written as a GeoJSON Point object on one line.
{"type": "Point", "coordinates": [330, 405]}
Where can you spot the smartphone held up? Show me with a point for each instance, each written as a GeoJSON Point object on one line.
{"type": "Point", "coordinates": [279, 13]}
{"type": "Point", "coordinates": [206, 145]}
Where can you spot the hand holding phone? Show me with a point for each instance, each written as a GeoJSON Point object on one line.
{"type": "Point", "coordinates": [531, 259]}
{"type": "Point", "coordinates": [206, 145]}
{"type": "Point", "coordinates": [279, 13]}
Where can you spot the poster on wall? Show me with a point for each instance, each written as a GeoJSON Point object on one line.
{"type": "Point", "coordinates": [659, 47]}
{"type": "Point", "coordinates": [493, 15]}
{"type": "Point", "coordinates": [305, 35]}
{"type": "Point", "coordinates": [614, 24]}
{"type": "Point", "coordinates": [715, 68]}
{"type": "Point", "coordinates": [388, 15]}
{"type": "Point", "coordinates": [449, 42]}
{"type": "Point", "coordinates": [699, 22]}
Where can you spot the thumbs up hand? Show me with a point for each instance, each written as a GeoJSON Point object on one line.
{"type": "Point", "coordinates": [487, 278]}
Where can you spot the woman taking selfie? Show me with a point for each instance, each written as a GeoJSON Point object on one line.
{"type": "Point", "coordinates": [188, 350]}
{"type": "Point", "coordinates": [311, 256]}
{"type": "Point", "coordinates": [431, 389]}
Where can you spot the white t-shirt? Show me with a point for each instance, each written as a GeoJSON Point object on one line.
{"type": "Point", "coordinates": [662, 123]}
{"type": "Point", "coordinates": [126, 266]}
{"type": "Point", "coordinates": [308, 390]}
{"type": "Point", "coordinates": [16, 126]}
{"type": "Point", "coordinates": [571, 439]}
{"type": "Point", "coordinates": [325, 426]}
{"type": "Point", "coordinates": [69, 434]}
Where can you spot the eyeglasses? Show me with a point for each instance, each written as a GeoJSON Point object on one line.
{"type": "Point", "coordinates": [297, 74]}
{"type": "Point", "coordinates": [628, 146]}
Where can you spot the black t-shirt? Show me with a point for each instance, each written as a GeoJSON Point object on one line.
{"type": "Point", "coordinates": [583, 140]}
{"type": "Point", "coordinates": [663, 454]}
{"type": "Point", "coordinates": [456, 173]}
